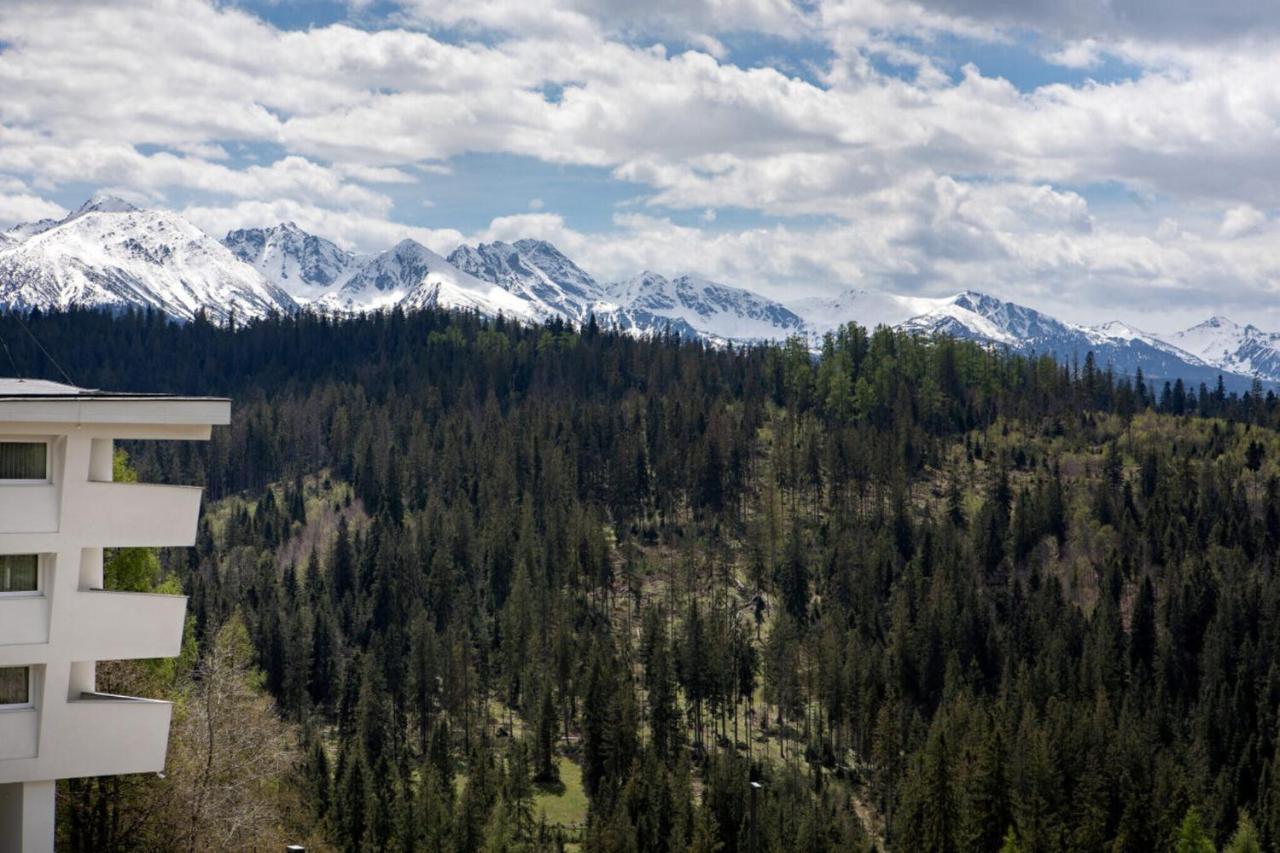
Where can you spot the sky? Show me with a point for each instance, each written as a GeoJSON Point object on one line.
{"type": "Point", "coordinates": [1098, 160]}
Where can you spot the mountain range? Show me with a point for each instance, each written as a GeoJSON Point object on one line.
{"type": "Point", "coordinates": [110, 254]}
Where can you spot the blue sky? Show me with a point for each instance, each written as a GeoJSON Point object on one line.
{"type": "Point", "coordinates": [1094, 162]}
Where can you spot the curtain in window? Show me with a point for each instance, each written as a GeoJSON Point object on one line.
{"type": "Point", "coordinates": [13, 685]}
{"type": "Point", "coordinates": [18, 572]}
{"type": "Point", "coordinates": [22, 460]}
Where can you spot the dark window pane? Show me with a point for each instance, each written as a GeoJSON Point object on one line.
{"type": "Point", "coordinates": [23, 460]}
{"type": "Point", "coordinates": [13, 685]}
{"type": "Point", "coordinates": [18, 572]}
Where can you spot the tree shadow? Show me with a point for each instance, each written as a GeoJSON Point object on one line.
{"type": "Point", "coordinates": [554, 787]}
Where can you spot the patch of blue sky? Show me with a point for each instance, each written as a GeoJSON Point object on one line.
{"type": "Point", "coordinates": [306, 14]}
{"type": "Point", "coordinates": [240, 154]}
{"type": "Point", "coordinates": [1022, 60]}
{"type": "Point", "coordinates": [1113, 195]}
{"type": "Point", "coordinates": [804, 59]}
{"type": "Point", "coordinates": [734, 218]}
{"type": "Point", "coordinates": [480, 187]}
{"type": "Point", "coordinates": [552, 93]}
{"type": "Point", "coordinates": [71, 195]}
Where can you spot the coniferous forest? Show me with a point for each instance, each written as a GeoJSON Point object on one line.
{"type": "Point", "coordinates": [466, 585]}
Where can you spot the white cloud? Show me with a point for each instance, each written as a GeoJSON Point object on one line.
{"type": "Point", "coordinates": [694, 19]}
{"type": "Point", "coordinates": [1085, 53]}
{"type": "Point", "coordinates": [922, 181]}
{"type": "Point", "coordinates": [347, 229]}
{"type": "Point", "coordinates": [1176, 20]}
{"type": "Point", "coordinates": [18, 204]}
{"type": "Point", "coordinates": [1242, 221]}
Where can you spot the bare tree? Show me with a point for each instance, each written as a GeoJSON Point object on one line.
{"type": "Point", "coordinates": [229, 753]}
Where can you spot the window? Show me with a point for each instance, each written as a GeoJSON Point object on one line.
{"type": "Point", "coordinates": [19, 573]}
{"type": "Point", "coordinates": [24, 460]}
{"type": "Point", "coordinates": [15, 685]}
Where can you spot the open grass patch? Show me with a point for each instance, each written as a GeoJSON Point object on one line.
{"type": "Point", "coordinates": [564, 802]}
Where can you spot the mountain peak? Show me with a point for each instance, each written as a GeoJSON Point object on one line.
{"type": "Point", "coordinates": [531, 246]}
{"type": "Point", "coordinates": [410, 246]}
{"type": "Point", "coordinates": [533, 270]}
{"type": "Point", "coordinates": [104, 203]}
{"type": "Point", "coordinates": [157, 259]}
{"type": "Point", "coordinates": [300, 263]}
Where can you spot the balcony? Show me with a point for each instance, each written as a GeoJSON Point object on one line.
{"type": "Point", "coordinates": [24, 619]}
{"type": "Point", "coordinates": [19, 732]}
{"type": "Point", "coordinates": [124, 625]}
{"type": "Point", "coordinates": [127, 515]}
{"type": "Point", "coordinates": [28, 508]}
{"type": "Point", "coordinates": [101, 734]}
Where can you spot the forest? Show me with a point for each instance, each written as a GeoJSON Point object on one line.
{"type": "Point", "coordinates": [468, 585]}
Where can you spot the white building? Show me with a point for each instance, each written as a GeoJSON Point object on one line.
{"type": "Point", "coordinates": [58, 510]}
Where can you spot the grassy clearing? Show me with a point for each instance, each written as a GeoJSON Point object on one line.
{"type": "Point", "coordinates": [565, 804]}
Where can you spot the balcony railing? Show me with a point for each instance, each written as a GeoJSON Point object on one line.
{"type": "Point", "coordinates": [124, 625]}
{"type": "Point", "coordinates": [125, 515]}
{"type": "Point", "coordinates": [28, 508]}
{"type": "Point", "coordinates": [24, 619]}
{"type": "Point", "coordinates": [101, 734]}
{"type": "Point", "coordinates": [19, 730]}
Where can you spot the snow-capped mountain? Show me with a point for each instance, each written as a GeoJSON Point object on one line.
{"type": "Point", "coordinates": [303, 264]}
{"type": "Point", "coordinates": [1229, 346]}
{"type": "Point", "coordinates": [412, 276]}
{"type": "Point", "coordinates": [97, 204]}
{"type": "Point", "coordinates": [690, 305]}
{"type": "Point", "coordinates": [316, 272]}
{"type": "Point", "coordinates": [536, 271]}
{"type": "Point", "coordinates": [869, 309]}
{"type": "Point", "coordinates": [647, 304]}
{"type": "Point", "coordinates": [980, 317]}
{"type": "Point", "coordinates": [109, 254]}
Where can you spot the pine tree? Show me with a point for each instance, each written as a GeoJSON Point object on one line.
{"type": "Point", "coordinates": [545, 769]}
{"type": "Point", "coordinates": [1245, 838]}
{"type": "Point", "coordinates": [1191, 835]}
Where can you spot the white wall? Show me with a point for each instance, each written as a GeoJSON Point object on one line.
{"type": "Point", "coordinates": [72, 623]}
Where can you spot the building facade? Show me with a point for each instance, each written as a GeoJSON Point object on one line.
{"type": "Point", "coordinates": [59, 510]}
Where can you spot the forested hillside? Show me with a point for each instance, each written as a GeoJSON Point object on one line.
{"type": "Point", "coordinates": [515, 588]}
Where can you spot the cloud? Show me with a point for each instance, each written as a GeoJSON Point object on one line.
{"type": "Point", "coordinates": [1085, 53]}
{"type": "Point", "coordinates": [1183, 20]}
{"type": "Point", "coordinates": [693, 19]}
{"type": "Point", "coordinates": [1242, 221]}
{"type": "Point", "coordinates": [18, 204]}
{"type": "Point", "coordinates": [349, 230]}
{"type": "Point", "coordinates": [885, 165]}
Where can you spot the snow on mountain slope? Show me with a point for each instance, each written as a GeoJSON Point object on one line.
{"type": "Point", "coordinates": [96, 204]}
{"type": "Point", "coordinates": [304, 265]}
{"type": "Point", "coordinates": [867, 308]}
{"type": "Point", "coordinates": [536, 271]}
{"type": "Point", "coordinates": [109, 254]}
{"type": "Point", "coordinates": [977, 316]}
{"type": "Point", "coordinates": [1228, 345]}
{"type": "Point", "coordinates": [650, 303]}
{"type": "Point", "coordinates": [412, 276]}
{"type": "Point", "coordinates": [1117, 331]}
{"type": "Point", "coordinates": [969, 314]}
{"type": "Point", "coordinates": [22, 231]}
